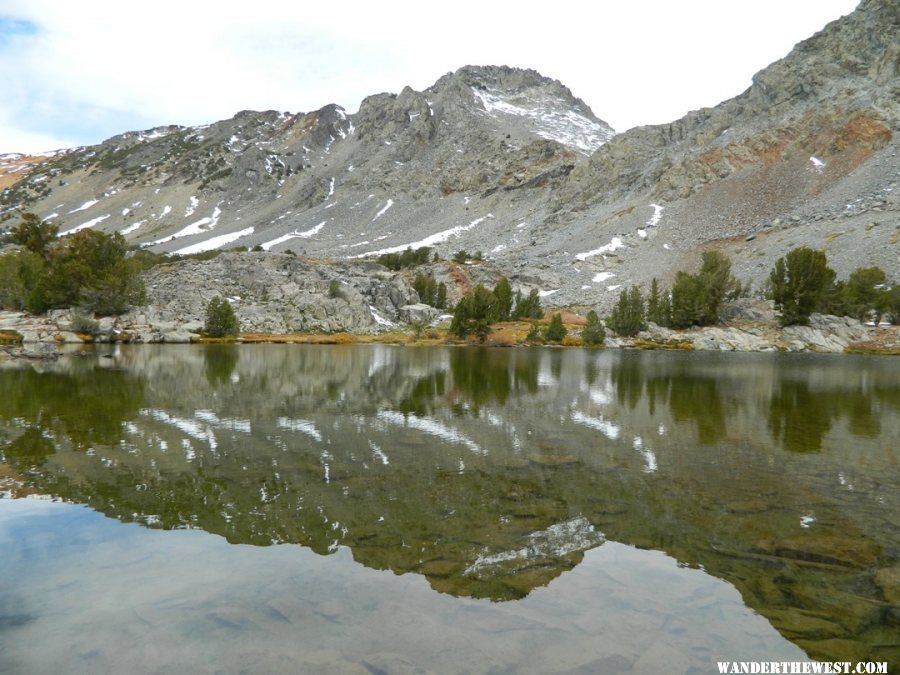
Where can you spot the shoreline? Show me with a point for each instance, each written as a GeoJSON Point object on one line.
{"type": "Point", "coordinates": [24, 336]}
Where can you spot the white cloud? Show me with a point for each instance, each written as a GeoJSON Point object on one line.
{"type": "Point", "coordinates": [100, 67]}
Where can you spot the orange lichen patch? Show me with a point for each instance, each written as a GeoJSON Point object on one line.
{"type": "Point", "coordinates": [862, 130]}
{"type": "Point", "coordinates": [460, 279]}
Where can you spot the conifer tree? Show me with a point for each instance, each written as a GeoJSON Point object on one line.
{"type": "Point", "coordinates": [555, 331]}
{"type": "Point", "coordinates": [593, 332]}
{"type": "Point", "coordinates": [799, 284]}
{"type": "Point", "coordinates": [627, 317]}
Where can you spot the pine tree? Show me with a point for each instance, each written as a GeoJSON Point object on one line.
{"type": "Point", "coordinates": [865, 293]}
{"type": "Point", "coordinates": [220, 319]}
{"type": "Point", "coordinates": [528, 308]}
{"type": "Point", "coordinates": [799, 284]}
{"type": "Point", "coordinates": [593, 332]}
{"type": "Point", "coordinates": [504, 296]}
{"type": "Point", "coordinates": [653, 302]}
{"type": "Point", "coordinates": [474, 314]}
{"type": "Point", "coordinates": [35, 234]}
{"type": "Point", "coordinates": [555, 331]}
{"type": "Point", "coordinates": [627, 317]}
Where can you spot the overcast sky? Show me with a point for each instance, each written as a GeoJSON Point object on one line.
{"type": "Point", "coordinates": [75, 72]}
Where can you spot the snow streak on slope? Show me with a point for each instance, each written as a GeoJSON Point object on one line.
{"type": "Point", "coordinates": [215, 242]}
{"type": "Point", "coordinates": [549, 120]}
{"type": "Point", "coordinates": [306, 234]}
{"type": "Point", "coordinates": [84, 226]}
{"type": "Point", "coordinates": [616, 243]}
{"type": "Point", "coordinates": [431, 240]}
{"type": "Point", "coordinates": [198, 227]}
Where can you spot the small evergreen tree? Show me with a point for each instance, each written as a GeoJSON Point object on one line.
{"type": "Point", "coordinates": [35, 234]}
{"type": "Point", "coordinates": [687, 301]}
{"type": "Point", "coordinates": [440, 301]}
{"type": "Point", "coordinates": [555, 331]}
{"type": "Point", "coordinates": [220, 319]}
{"type": "Point", "coordinates": [799, 284]}
{"type": "Point", "coordinates": [865, 292]}
{"type": "Point", "coordinates": [892, 304]}
{"type": "Point", "coordinates": [627, 317]}
{"type": "Point", "coordinates": [717, 285]}
{"type": "Point", "coordinates": [697, 298]}
{"type": "Point", "coordinates": [474, 314]}
{"type": "Point", "coordinates": [593, 332]}
{"type": "Point", "coordinates": [653, 302]}
{"type": "Point", "coordinates": [529, 307]}
{"type": "Point", "coordinates": [503, 293]}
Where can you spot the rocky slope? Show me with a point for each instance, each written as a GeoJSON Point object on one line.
{"type": "Point", "coordinates": [511, 163]}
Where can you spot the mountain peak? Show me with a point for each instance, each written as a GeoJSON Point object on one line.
{"type": "Point", "coordinates": [543, 106]}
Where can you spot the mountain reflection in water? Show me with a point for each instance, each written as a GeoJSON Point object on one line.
{"type": "Point", "coordinates": [491, 472]}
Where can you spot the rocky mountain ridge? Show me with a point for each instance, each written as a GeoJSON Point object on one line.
{"type": "Point", "coordinates": [505, 161]}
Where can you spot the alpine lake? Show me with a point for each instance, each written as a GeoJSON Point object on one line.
{"type": "Point", "coordinates": [377, 509]}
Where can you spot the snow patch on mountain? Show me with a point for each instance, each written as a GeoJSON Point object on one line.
{"type": "Point", "coordinates": [84, 226]}
{"type": "Point", "coordinates": [616, 243]}
{"type": "Point", "coordinates": [294, 235]}
{"type": "Point", "coordinates": [215, 242]}
{"type": "Point", "coordinates": [548, 119]}
{"type": "Point", "coordinates": [84, 207]}
{"type": "Point", "coordinates": [431, 240]}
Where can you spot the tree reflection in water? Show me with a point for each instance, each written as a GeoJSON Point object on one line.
{"type": "Point", "coordinates": [491, 471]}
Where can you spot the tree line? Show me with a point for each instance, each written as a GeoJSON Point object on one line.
{"type": "Point", "coordinates": [799, 284]}
{"type": "Point", "coordinates": [87, 269]}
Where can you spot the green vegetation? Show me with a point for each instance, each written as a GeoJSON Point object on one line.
{"type": "Point", "coordinates": [799, 284]}
{"type": "Point", "coordinates": [474, 314]}
{"type": "Point", "coordinates": [593, 333]}
{"type": "Point", "coordinates": [84, 324]}
{"type": "Point", "coordinates": [555, 331]}
{"type": "Point", "coordinates": [528, 307]}
{"type": "Point", "coordinates": [461, 256]}
{"type": "Point", "coordinates": [35, 234]}
{"type": "Point", "coordinates": [430, 292]}
{"type": "Point", "coordinates": [504, 295]}
{"type": "Point", "coordinates": [335, 290]}
{"type": "Point", "coordinates": [892, 304]}
{"type": "Point", "coordinates": [627, 317]}
{"type": "Point", "coordinates": [697, 298]}
{"type": "Point", "coordinates": [865, 293]}
{"type": "Point", "coordinates": [220, 319]}
{"type": "Point", "coordinates": [534, 334]}
{"type": "Point", "coordinates": [802, 283]}
{"type": "Point", "coordinates": [480, 308]}
{"type": "Point", "coordinates": [89, 269]}
{"type": "Point", "coordinates": [409, 258]}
